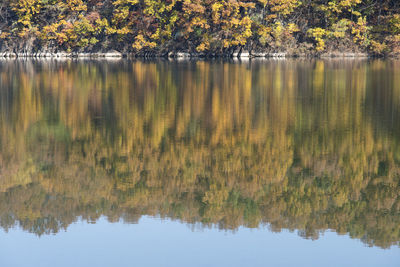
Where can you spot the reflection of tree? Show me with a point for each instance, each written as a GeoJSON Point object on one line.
{"type": "Point", "coordinates": [293, 144]}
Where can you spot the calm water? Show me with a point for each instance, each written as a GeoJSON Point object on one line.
{"type": "Point", "coordinates": [126, 163]}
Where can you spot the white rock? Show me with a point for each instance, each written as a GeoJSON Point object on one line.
{"type": "Point", "coordinates": [83, 55]}
{"type": "Point", "coordinates": [244, 54]}
{"type": "Point", "coordinates": [64, 55]}
{"type": "Point", "coordinates": [258, 54]}
{"type": "Point", "coordinates": [278, 55]}
{"type": "Point", "coordinates": [182, 55]}
{"type": "Point", "coordinates": [112, 54]}
{"type": "Point", "coordinates": [235, 54]}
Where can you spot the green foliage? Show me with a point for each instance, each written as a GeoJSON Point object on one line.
{"type": "Point", "coordinates": [394, 23]}
{"type": "Point", "coordinates": [339, 29]}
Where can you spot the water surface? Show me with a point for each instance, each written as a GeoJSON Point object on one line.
{"type": "Point", "coordinates": [292, 162]}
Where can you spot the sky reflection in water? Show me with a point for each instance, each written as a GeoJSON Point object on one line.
{"type": "Point", "coordinates": [153, 242]}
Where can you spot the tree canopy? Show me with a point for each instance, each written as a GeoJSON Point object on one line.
{"type": "Point", "coordinates": [202, 26]}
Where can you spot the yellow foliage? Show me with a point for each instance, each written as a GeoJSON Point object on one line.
{"type": "Point", "coordinates": [4, 35]}
{"type": "Point", "coordinates": [205, 45]}
{"type": "Point", "coordinates": [141, 43]}
{"type": "Point", "coordinates": [360, 32]}
{"type": "Point", "coordinates": [318, 34]}
{"type": "Point", "coordinates": [270, 24]}
{"type": "Point", "coordinates": [284, 7]}
{"type": "Point", "coordinates": [25, 10]}
{"type": "Point", "coordinates": [378, 47]}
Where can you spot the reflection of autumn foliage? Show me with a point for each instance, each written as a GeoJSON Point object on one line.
{"type": "Point", "coordinates": [207, 26]}
{"type": "Point", "coordinates": [308, 145]}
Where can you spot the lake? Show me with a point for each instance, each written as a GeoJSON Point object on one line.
{"type": "Point", "coordinates": [290, 162]}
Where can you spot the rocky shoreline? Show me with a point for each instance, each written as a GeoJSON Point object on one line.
{"type": "Point", "coordinates": [179, 55]}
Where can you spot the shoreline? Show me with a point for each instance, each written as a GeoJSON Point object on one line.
{"type": "Point", "coordinates": [185, 55]}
